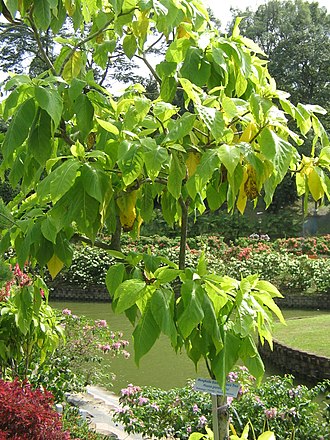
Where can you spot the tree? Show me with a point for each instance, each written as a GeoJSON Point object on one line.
{"type": "Point", "coordinates": [85, 161]}
{"type": "Point", "coordinates": [295, 35]}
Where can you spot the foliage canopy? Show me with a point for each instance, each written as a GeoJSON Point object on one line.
{"type": "Point", "coordinates": [85, 159]}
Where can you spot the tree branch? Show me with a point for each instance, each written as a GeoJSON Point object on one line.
{"type": "Point", "coordinates": [153, 44]}
{"type": "Point", "coordinates": [82, 42]}
{"type": "Point", "coordinates": [183, 235]}
{"type": "Point", "coordinates": [40, 46]}
{"type": "Point", "coordinates": [152, 70]}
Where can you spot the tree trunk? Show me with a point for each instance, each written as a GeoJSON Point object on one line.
{"type": "Point", "coordinates": [184, 229]}
{"type": "Point", "coordinates": [115, 238]}
{"type": "Point", "coordinates": [220, 418]}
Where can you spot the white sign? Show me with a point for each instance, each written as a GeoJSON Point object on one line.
{"type": "Point", "coordinates": [211, 386]}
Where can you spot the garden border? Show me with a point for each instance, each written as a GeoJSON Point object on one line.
{"type": "Point", "coordinates": [302, 364]}
{"type": "Point", "coordinates": [316, 301]}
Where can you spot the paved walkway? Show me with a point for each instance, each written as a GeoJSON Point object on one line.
{"type": "Point", "coordinates": [98, 405]}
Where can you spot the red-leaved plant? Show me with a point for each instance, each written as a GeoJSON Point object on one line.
{"type": "Point", "coordinates": [27, 414]}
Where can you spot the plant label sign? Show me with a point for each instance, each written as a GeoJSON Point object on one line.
{"type": "Point", "coordinates": [211, 386]}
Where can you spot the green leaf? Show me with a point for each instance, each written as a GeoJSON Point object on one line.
{"type": "Point", "coordinates": [24, 300]}
{"type": "Point", "coordinates": [131, 164]}
{"type": "Point", "coordinates": [129, 45]}
{"type": "Point", "coordinates": [40, 139]}
{"type": "Point", "coordinates": [278, 151]}
{"type": "Point", "coordinates": [95, 181]}
{"type": "Point", "coordinates": [154, 159]}
{"type": "Point", "coordinates": [63, 249]}
{"type": "Point", "coordinates": [12, 6]}
{"type": "Point", "coordinates": [128, 293]}
{"type": "Point", "coordinates": [145, 334]}
{"type": "Point", "coordinates": [162, 306]}
{"type": "Point", "coordinates": [49, 229]}
{"type": "Point", "coordinates": [165, 69]}
{"type": "Point", "coordinates": [166, 275]}
{"type": "Point", "coordinates": [177, 50]}
{"type": "Point", "coordinates": [168, 203]}
{"type": "Point", "coordinates": [168, 89]}
{"type": "Point", "coordinates": [210, 162]}
{"type": "Point", "coordinates": [195, 68]}
{"type": "Point", "coordinates": [180, 128]}
{"type": "Point", "coordinates": [224, 361]}
{"type": "Point", "coordinates": [42, 14]}
{"type": "Point", "coordinates": [265, 299]}
{"type": "Point", "coordinates": [251, 358]}
{"type": "Point", "coordinates": [192, 297]}
{"type": "Point", "coordinates": [114, 277]}
{"type": "Point", "coordinates": [210, 323]}
{"type": "Point", "coordinates": [63, 178]}
{"type": "Point", "coordinates": [213, 119]}
{"type": "Point", "coordinates": [50, 101]}
{"type": "Point", "coordinates": [19, 127]}
{"type": "Point", "coordinates": [267, 435]}
{"type": "Point", "coordinates": [177, 173]}
{"type": "Point", "coordinates": [84, 111]}
{"type": "Point", "coordinates": [230, 156]}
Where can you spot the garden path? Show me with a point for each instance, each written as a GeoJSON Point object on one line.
{"type": "Point", "coordinates": [98, 405]}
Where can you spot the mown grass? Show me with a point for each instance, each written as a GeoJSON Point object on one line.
{"type": "Point", "coordinates": [311, 334]}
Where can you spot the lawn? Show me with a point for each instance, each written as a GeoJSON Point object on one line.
{"type": "Point", "coordinates": [311, 334]}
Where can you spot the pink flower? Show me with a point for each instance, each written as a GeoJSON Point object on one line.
{"type": "Point", "coordinates": [143, 401]}
{"type": "Point", "coordinates": [202, 421]}
{"type": "Point", "coordinates": [66, 312]}
{"type": "Point", "coordinates": [116, 345]}
{"type": "Point", "coordinates": [126, 354]}
{"type": "Point", "coordinates": [195, 408]}
{"type": "Point", "coordinates": [270, 413]}
{"type": "Point", "coordinates": [101, 323]}
{"type": "Point", "coordinates": [105, 348]}
{"type": "Point", "coordinates": [232, 377]}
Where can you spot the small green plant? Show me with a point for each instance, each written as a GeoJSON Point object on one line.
{"type": "Point", "coordinates": [79, 427]}
{"type": "Point", "coordinates": [29, 328]}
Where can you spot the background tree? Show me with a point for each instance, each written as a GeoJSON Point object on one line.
{"type": "Point", "coordinates": [295, 35]}
{"type": "Point", "coordinates": [86, 161]}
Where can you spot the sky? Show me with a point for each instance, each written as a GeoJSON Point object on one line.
{"type": "Point", "coordinates": [221, 8]}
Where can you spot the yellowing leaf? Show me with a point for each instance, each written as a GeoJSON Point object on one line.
{"type": "Point", "coordinates": [242, 197]}
{"type": "Point", "coordinates": [70, 7]}
{"type": "Point", "coordinates": [108, 126]}
{"type": "Point", "coordinates": [182, 31]}
{"type": "Point", "coordinates": [54, 265]}
{"type": "Point", "coordinates": [127, 212]}
{"type": "Point", "coordinates": [315, 185]}
{"type": "Point", "coordinates": [249, 132]}
{"type": "Point", "coordinates": [192, 162]}
{"type": "Point", "coordinates": [74, 66]}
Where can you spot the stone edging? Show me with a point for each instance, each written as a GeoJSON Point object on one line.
{"type": "Point", "coordinates": [300, 363]}
{"type": "Point", "coordinates": [317, 301]}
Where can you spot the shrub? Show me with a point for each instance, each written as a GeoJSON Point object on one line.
{"type": "Point", "coordinates": [82, 358]}
{"type": "Point", "coordinates": [154, 412]}
{"type": "Point", "coordinates": [277, 405]}
{"type": "Point", "coordinates": [79, 427]}
{"type": "Point", "coordinates": [27, 414]}
{"type": "Point", "coordinates": [290, 410]}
